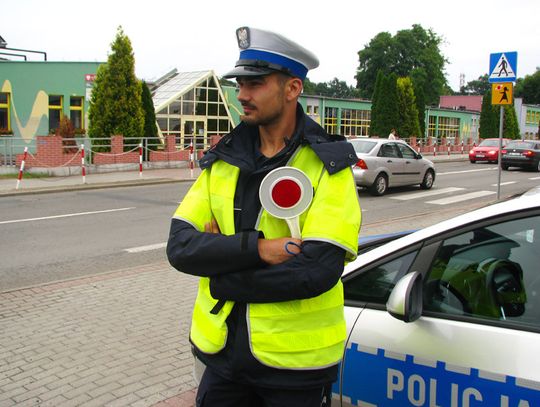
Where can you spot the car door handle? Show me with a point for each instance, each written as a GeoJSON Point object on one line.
{"type": "Point", "coordinates": [389, 161]}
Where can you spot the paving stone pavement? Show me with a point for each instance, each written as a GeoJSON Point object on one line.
{"type": "Point", "coordinates": [115, 339]}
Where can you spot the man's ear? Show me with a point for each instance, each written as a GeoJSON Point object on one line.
{"type": "Point", "coordinates": [294, 88]}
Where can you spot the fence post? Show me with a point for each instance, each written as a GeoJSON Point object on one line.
{"type": "Point", "coordinates": [140, 160]}
{"type": "Point", "coordinates": [191, 158]}
{"type": "Point", "coordinates": [19, 178]}
{"type": "Point", "coordinates": [83, 167]}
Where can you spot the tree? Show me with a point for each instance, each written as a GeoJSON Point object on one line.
{"type": "Point", "coordinates": [373, 126]}
{"type": "Point", "coordinates": [334, 88]}
{"type": "Point", "coordinates": [414, 52]}
{"type": "Point", "coordinates": [408, 114]}
{"type": "Point", "coordinates": [420, 106]}
{"type": "Point", "coordinates": [490, 120]}
{"type": "Point", "coordinates": [387, 105]}
{"type": "Point", "coordinates": [149, 129]}
{"type": "Point", "coordinates": [115, 105]}
{"type": "Point", "coordinates": [510, 123]}
{"type": "Point", "coordinates": [529, 88]}
{"type": "Point", "coordinates": [478, 86]}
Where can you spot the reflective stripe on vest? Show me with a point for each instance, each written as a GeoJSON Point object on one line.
{"type": "Point", "coordinates": [298, 334]}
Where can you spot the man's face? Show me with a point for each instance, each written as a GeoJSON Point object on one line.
{"type": "Point", "coordinates": [262, 97]}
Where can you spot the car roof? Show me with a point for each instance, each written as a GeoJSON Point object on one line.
{"type": "Point", "coordinates": [377, 140]}
{"type": "Point", "coordinates": [529, 200]}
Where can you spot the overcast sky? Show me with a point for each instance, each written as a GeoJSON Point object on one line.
{"type": "Point", "coordinates": [193, 35]}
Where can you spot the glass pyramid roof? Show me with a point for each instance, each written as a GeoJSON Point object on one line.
{"type": "Point", "coordinates": [176, 86]}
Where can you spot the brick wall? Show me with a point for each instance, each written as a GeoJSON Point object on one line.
{"type": "Point", "coordinates": [50, 153]}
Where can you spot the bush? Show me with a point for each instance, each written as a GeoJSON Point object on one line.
{"type": "Point", "coordinates": [66, 130]}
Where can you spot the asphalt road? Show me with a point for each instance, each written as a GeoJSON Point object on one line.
{"type": "Point", "coordinates": [66, 235]}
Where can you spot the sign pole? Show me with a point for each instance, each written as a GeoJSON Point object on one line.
{"type": "Point", "coordinates": [501, 122]}
{"type": "Point", "coordinates": [502, 74]}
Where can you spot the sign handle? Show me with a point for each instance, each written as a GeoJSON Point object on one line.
{"type": "Point", "coordinates": [294, 227]}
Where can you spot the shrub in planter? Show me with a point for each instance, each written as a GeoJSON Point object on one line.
{"type": "Point", "coordinates": [66, 130]}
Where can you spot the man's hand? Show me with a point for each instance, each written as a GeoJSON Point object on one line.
{"type": "Point", "coordinates": [212, 227]}
{"type": "Point", "coordinates": [273, 251]}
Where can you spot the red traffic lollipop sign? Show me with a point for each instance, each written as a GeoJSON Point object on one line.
{"type": "Point", "coordinates": [286, 193]}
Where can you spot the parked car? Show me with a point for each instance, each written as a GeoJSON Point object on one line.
{"type": "Point", "coordinates": [448, 315]}
{"type": "Point", "coordinates": [523, 154]}
{"type": "Point", "coordinates": [487, 150]}
{"type": "Point", "coordinates": [384, 163]}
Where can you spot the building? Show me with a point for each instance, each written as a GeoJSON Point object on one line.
{"type": "Point", "coordinates": [35, 94]}
{"type": "Point", "coordinates": [191, 106]}
{"type": "Point", "coordinates": [528, 119]}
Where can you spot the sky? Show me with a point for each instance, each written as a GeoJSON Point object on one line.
{"type": "Point", "coordinates": [199, 35]}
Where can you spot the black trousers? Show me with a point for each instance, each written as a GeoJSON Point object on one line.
{"type": "Point", "coordinates": [216, 391]}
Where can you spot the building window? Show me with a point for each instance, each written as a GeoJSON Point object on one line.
{"type": "Point", "coordinates": [76, 107]}
{"type": "Point", "coordinates": [448, 128]}
{"type": "Point", "coordinates": [331, 119]}
{"type": "Point", "coordinates": [199, 113]}
{"type": "Point", "coordinates": [355, 123]}
{"type": "Point", "coordinates": [55, 112]}
{"type": "Point", "coordinates": [5, 124]}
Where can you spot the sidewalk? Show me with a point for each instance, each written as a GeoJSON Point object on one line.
{"type": "Point", "coordinates": [94, 181]}
{"type": "Point", "coordinates": [128, 178]}
{"type": "Point", "coordinates": [113, 339]}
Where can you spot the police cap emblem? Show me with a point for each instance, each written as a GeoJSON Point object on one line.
{"type": "Point", "coordinates": [242, 34]}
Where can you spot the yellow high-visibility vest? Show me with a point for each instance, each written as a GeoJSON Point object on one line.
{"type": "Point", "coordinates": [298, 334]}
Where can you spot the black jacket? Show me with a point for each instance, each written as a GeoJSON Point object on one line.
{"type": "Point", "coordinates": [233, 264]}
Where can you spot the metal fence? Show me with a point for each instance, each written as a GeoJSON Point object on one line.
{"type": "Point", "coordinates": [11, 146]}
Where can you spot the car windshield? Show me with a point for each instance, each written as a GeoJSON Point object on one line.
{"type": "Point", "coordinates": [489, 143]}
{"type": "Point", "coordinates": [520, 144]}
{"type": "Point", "coordinates": [363, 146]}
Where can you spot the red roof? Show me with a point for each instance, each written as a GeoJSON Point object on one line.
{"type": "Point", "coordinates": [473, 103]}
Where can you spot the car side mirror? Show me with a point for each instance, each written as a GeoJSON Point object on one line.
{"type": "Point", "coordinates": [418, 156]}
{"type": "Point", "coordinates": [405, 301]}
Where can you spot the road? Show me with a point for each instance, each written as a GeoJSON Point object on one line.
{"type": "Point", "coordinates": [66, 235]}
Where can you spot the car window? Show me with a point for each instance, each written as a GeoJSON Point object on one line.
{"type": "Point", "coordinates": [490, 273]}
{"type": "Point", "coordinates": [363, 146]}
{"type": "Point", "coordinates": [489, 143]}
{"type": "Point", "coordinates": [388, 150]}
{"type": "Point", "coordinates": [520, 144]}
{"type": "Point", "coordinates": [375, 284]}
{"type": "Point", "coordinates": [406, 151]}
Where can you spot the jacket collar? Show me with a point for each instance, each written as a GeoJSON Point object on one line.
{"type": "Point", "coordinates": [236, 148]}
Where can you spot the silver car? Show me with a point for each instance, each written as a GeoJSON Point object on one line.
{"type": "Point", "coordinates": [384, 163]}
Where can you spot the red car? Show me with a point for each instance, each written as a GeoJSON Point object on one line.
{"type": "Point", "coordinates": [487, 150]}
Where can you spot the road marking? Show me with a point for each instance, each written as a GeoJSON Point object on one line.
{"type": "Point", "coordinates": [459, 198]}
{"type": "Point", "coordinates": [464, 171]}
{"type": "Point", "coordinates": [504, 183]}
{"type": "Point", "coordinates": [432, 192]}
{"type": "Point", "coordinates": [534, 178]}
{"type": "Point", "coordinates": [146, 248]}
{"type": "Point", "coordinates": [67, 215]}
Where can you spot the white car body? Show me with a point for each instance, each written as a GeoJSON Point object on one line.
{"type": "Point", "coordinates": [449, 356]}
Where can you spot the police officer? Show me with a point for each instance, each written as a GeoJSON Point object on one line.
{"type": "Point", "coordinates": [268, 320]}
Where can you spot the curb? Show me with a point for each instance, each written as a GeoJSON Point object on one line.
{"type": "Point", "coordinates": [101, 185]}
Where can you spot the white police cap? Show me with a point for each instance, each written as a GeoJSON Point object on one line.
{"type": "Point", "coordinates": [263, 52]}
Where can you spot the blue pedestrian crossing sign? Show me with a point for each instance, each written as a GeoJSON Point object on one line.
{"type": "Point", "coordinates": [502, 67]}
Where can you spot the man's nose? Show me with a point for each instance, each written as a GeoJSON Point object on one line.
{"type": "Point", "coordinates": [242, 94]}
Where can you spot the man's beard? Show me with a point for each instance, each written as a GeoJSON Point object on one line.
{"type": "Point", "coordinates": [271, 118]}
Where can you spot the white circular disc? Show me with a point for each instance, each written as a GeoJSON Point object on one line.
{"type": "Point", "coordinates": [272, 179]}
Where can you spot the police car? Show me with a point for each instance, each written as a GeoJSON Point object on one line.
{"type": "Point", "coordinates": [449, 315]}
